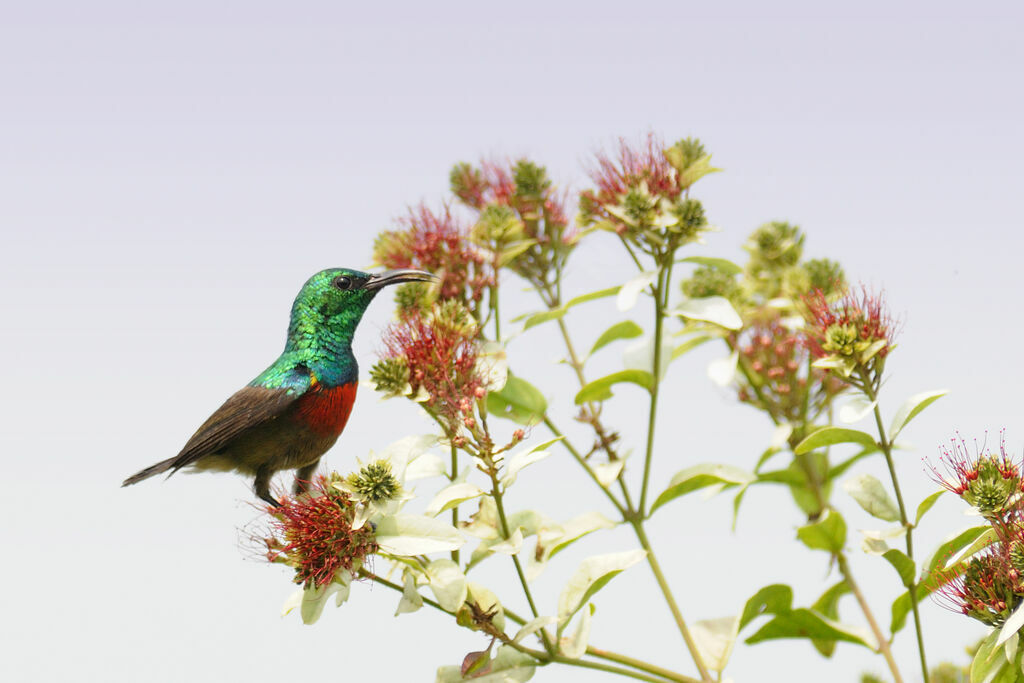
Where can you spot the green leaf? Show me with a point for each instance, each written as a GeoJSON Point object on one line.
{"type": "Point", "coordinates": [600, 389]}
{"type": "Point", "coordinates": [689, 345]}
{"type": "Point", "coordinates": [700, 476]}
{"type": "Point", "coordinates": [531, 627]}
{"type": "Point", "coordinates": [828, 606]}
{"type": "Point", "coordinates": [518, 401]}
{"type": "Point", "coordinates": [697, 170]}
{"type": "Point", "coordinates": [805, 623]}
{"type": "Point", "coordinates": [711, 309]}
{"type": "Point", "coordinates": [827, 533]}
{"type": "Point", "coordinates": [508, 666]}
{"type": "Point", "coordinates": [926, 505]}
{"type": "Point", "coordinates": [840, 468]}
{"type": "Point", "coordinates": [591, 576]}
{"type": "Point", "coordinates": [975, 537]}
{"type": "Point", "coordinates": [948, 549]}
{"type": "Point", "coordinates": [627, 329]}
{"type": "Point", "coordinates": [911, 408]}
{"type": "Point", "coordinates": [510, 252]}
{"type": "Point", "coordinates": [774, 599]}
{"type": "Point", "coordinates": [870, 495]}
{"type": "Point", "coordinates": [517, 461]}
{"type": "Point", "coordinates": [724, 265]}
{"type": "Point", "coordinates": [903, 565]}
{"type": "Point", "coordinates": [415, 534]}
{"type": "Point", "coordinates": [829, 436]}
{"type": "Point", "coordinates": [544, 316]}
{"type": "Point", "coordinates": [592, 296]}
{"type": "Point", "coordinates": [986, 659]}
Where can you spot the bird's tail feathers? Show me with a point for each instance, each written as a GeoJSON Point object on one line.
{"type": "Point", "coordinates": [150, 471]}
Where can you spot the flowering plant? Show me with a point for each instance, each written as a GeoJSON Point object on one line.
{"type": "Point", "coordinates": [795, 338]}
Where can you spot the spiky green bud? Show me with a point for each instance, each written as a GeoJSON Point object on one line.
{"type": "Point", "coordinates": [776, 245]}
{"type": "Point", "coordinates": [708, 281]}
{"type": "Point", "coordinates": [826, 275]}
{"type": "Point", "coordinates": [498, 225]}
{"type": "Point", "coordinates": [391, 376]}
{"type": "Point", "coordinates": [375, 482]}
{"type": "Point", "coordinates": [531, 179]}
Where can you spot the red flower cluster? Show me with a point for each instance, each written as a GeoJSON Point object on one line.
{"type": "Point", "coordinates": [776, 358]}
{"type": "Point", "coordinates": [313, 533]}
{"type": "Point", "coordinates": [986, 481]}
{"type": "Point", "coordinates": [440, 353]}
{"type": "Point", "coordinates": [850, 325]}
{"type": "Point", "coordinates": [989, 586]}
{"type": "Point", "coordinates": [438, 243]}
{"type": "Point", "coordinates": [616, 176]}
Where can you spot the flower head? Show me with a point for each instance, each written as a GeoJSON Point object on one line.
{"type": "Point", "coordinates": [989, 482]}
{"type": "Point", "coordinates": [438, 354]}
{"type": "Point", "coordinates": [314, 534]}
{"type": "Point", "coordinates": [988, 588]}
{"type": "Point", "coordinates": [776, 359]}
{"type": "Point", "coordinates": [639, 194]}
{"type": "Point", "coordinates": [855, 331]}
{"type": "Point", "coordinates": [377, 488]}
{"type": "Point", "coordinates": [437, 242]}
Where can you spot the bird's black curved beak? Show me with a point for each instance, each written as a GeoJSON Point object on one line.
{"type": "Point", "coordinates": [394, 277]}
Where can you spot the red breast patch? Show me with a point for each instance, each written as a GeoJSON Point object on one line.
{"type": "Point", "coordinates": [325, 410]}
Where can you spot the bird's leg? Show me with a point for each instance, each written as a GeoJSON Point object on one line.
{"type": "Point", "coordinates": [304, 477]}
{"type": "Point", "coordinates": [261, 485]}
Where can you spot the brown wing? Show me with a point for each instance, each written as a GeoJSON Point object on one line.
{"type": "Point", "coordinates": [246, 408]}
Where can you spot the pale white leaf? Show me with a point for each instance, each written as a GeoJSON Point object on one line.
{"type": "Point", "coordinates": [508, 666]}
{"type": "Point", "coordinates": [722, 371]}
{"type": "Point", "coordinates": [531, 627]}
{"type": "Point", "coordinates": [1013, 624]}
{"type": "Point", "coordinates": [512, 545]}
{"type": "Point", "coordinates": [492, 365]}
{"type": "Point", "coordinates": [712, 309]}
{"type": "Point", "coordinates": [452, 495]}
{"type": "Point", "coordinates": [411, 598]}
{"type": "Point", "coordinates": [448, 583]}
{"type": "Point", "coordinates": [424, 466]}
{"type": "Point", "coordinates": [910, 409]}
{"type": "Point", "coordinates": [521, 459]}
{"type": "Point", "coordinates": [856, 408]}
{"type": "Point", "coordinates": [592, 575]}
{"type": "Point", "coordinates": [415, 535]}
{"type": "Point", "coordinates": [870, 494]}
{"type": "Point", "coordinates": [608, 472]}
{"type": "Point", "coordinates": [780, 435]}
{"type": "Point", "coordinates": [639, 355]}
{"type": "Point", "coordinates": [630, 292]}
{"type": "Point", "coordinates": [575, 645]}
{"type": "Point", "coordinates": [715, 639]}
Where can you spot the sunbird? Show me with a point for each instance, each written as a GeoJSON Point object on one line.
{"type": "Point", "coordinates": [296, 409]}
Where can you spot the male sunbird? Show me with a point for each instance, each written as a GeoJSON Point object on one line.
{"type": "Point", "coordinates": [295, 410]}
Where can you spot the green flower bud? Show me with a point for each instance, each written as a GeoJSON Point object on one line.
{"type": "Point", "coordinates": [391, 376]}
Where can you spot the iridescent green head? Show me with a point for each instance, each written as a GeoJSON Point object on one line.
{"type": "Point", "coordinates": [331, 303]}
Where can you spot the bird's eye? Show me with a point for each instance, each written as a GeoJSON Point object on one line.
{"type": "Point", "coordinates": [342, 282]}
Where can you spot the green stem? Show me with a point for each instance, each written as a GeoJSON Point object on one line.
{"type": "Point", "coordinates": [664, 674]}
{"type": "Point", "coordinates": [870, 390]}
{"type": "Point", "coordinates": [660, 296]}
{"type": "Point", "coordinates": [499, 503]}
{"type": "Point", "coordinates": [691, 644]}
{"type": "Point", "coordinates": [455, 510]}
{"type": "Point", "coordinates": [883, 643]}
{"type": "Point", "coordinates": [816, 488]}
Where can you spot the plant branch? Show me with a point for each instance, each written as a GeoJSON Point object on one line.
{"type": "Point", "coordinates": [578, 457]}
{"type": "Point", "coordinates": [883, 643]}
{"type": "Point", "coordinates": [660, 297]}
{"type": "Point", "coordinates": [870, 390]}
{"type": "Point", "coordinates": [691, 644]}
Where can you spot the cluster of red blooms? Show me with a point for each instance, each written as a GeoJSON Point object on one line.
{"type": "Point", "coordinates": [775, 358]}
{"type": "Point", "coordinates": [850, 325]}
{"type": "Point", "coordinates": [616, 176]}
{"type": "Point", "coordinates": [437, 243]}
{"type": "Point", "coordinates": [440, 353]}
{"type": "Point", "coordinates": [990, 585]}
{"type": "Point", "coordinates": [313, 534]}
{"type": "Point", "coordinates": [521, 186]}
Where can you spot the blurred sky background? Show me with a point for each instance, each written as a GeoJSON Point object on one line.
{"type": "Point", "coordinates": [171, 173]}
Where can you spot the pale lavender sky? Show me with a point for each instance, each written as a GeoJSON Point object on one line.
{"type": "Point", "coordinates": [170, 176]}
